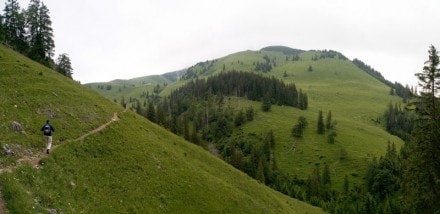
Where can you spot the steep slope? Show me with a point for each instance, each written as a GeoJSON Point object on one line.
{"type": "Point", "coordinates": [333, 83]}
{"type": "Point", "coordinates": [130, 166]}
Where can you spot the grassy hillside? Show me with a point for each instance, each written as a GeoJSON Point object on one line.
{"type": "Point", "coordinates": [132, 166]}
{"type": "Point", "coordinates": [134, 88]}
{"type": "Point", "coordinates": [356, 99]}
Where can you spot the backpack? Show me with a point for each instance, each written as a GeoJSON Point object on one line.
{"type": "Point", "coordinates": [46, 129]}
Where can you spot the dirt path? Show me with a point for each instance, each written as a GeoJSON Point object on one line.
{"type": "Point", "coordinates": [35, 159]}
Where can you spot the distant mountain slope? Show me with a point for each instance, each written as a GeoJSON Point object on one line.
{"type": "Point", "coordinates": [132, 166]}
{"type": "Point", "coordinates": [135, 87]}
{"type": "Point", "coordinates": [333, 83]}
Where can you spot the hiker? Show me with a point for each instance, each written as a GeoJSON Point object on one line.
{"type": "Point", "coordinates": [47, 130]}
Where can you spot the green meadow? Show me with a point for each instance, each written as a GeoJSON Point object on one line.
{"type": "Point", "coordinates": [132, 166]}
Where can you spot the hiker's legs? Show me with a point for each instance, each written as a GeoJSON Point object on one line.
{"type": "Point", "coordinates": [49, 142]}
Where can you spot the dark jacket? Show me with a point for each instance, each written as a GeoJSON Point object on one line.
{"type": "Point", "coordinates": [50, 129]}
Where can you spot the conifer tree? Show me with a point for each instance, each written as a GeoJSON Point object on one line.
{"type": "Point", "coordinates": [64, 66]}
{"type": "Point", "coordinates": [328, 122]}
{"type": "Point", "coordinates": [326, 183]}
{"type": "Point", "coordinates": [2, 29]}
{"type": "Point", "coordinates": [298, 129]}
{"type": "Point", "coordinates": [305, 101]}
{"type": "Point", "coordinates": [259, 175]}
{"type": "Point", "coordinates": [40, 33]}
{"type": "Point", "coordinates": [266, 105]}
{"type": "Point", "coordinates": [151, 112]}
{"type": "Point", "coordinates": [14, 26]}
{"type": "Point", "coordinates": [422, 172]}
{"type": "Point", "coordinates": [321, 128]}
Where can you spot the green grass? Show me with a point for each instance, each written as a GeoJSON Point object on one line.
{"type": "Point", "coordinates": [132, 166]}
{"type": "Point", "coordinates": [355, 98]}
{"type": "Point", "coordinates": [31, 94]}
{"type": "Point", "coordinates": [144, 169]}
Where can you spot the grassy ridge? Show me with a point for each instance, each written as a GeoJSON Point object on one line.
{"type": "Point", "coordinates": [132, 166]}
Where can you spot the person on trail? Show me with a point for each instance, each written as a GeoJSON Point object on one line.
{"type": "Point", "coordinates": [47, 130]}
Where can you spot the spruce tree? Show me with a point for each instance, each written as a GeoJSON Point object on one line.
{"type": "Point", "coordinates": [266, 105]}
{"type": "Point", "coordinates": [321, 128]}
{"type": "Point", "coordinates": [64, 66]}
{"type": "Point", "coordinates": [14, 26]}
{"type": "Point", "coordinates": [259, 174]}
{"type": "Point", "coordinates": [421, 178]}
{"type": "Point", "coordinates": [326, 183]}
{"type": "Point", "coordinates": [40, 33]}
{"type": "Point", "coordinates": [151, 112]}
{"type": "Point", "coordinates": [305, 101]}
{"type": "Point", "coordinates": [2, 29]}
{"type": "Point", "coordinates": [328, 122]}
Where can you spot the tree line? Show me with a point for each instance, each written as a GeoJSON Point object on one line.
{"type": "Point", "coordinates": [395, 88]}
{"type": "Point", "coordinates": [399, 122]}
{"type": "Point", "coordinates": [30, 33]}
{"type": "Point", "coordinates": [244, 84]}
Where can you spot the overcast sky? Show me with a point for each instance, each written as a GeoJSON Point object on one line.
{"type": "Point", "coordinates": [114, 39]}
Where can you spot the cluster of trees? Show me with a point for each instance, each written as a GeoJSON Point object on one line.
{"type": "Point", "coordinates": [382, 178]}
{"type": "Point", "coordinates": [30, 32]}
{"type": "Point", "coordinates": [298, 129]}
{"type": "Point", "coordinates": [328, 54]}
{"type": "Point", "coordinates": [204, 113]}
{"type": "Point", "coordinates": [407, 182]}
{"type": "Point", "coordinates": [252, 154]}
{"type": "Point", "coordinates": [199, 69]}
{"type": "Point", "coordinates": [395, 89]}
{"type": "Point", "coordinates": [328, 126]}
{"type": "Point", "coordinates": [421, 176]}
{"type": "Point", "coordinates": [399, 122]}
{"type": "Point", "coordinates": [243, 84]}
{"type": "Point", "coordinates": [106, 87]}
{"type": "Point", "coordinates": [295, 58]}
{"type": "Point", "coordinates": [266, 65]}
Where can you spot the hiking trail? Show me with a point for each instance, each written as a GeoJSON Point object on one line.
{"type": "Point", "coordinates": [34, 160]}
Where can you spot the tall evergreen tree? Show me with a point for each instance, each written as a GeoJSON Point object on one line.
{"type": "Point", "coordinates": [422, 172]}
{"type": "Point", "coordinates": [298, 129]}
{"type": "Point", "coordinates": [266, 105]}
{"type": "Point", "coordinates": [64, 66]}
{"type": "Point", "coordinates": [2, 29]}
{"type": "Point", "coordinates": [328, 121]}
{"type": "Point", "coordinates": [321, 127]}
{"type": "Point", "coordinates": [40, 33]}
{"type": "Point", "coordinates": [14, 25]}
{"type": "Point", "coordinates": [326, 183]}
{"type": "Point", "coordinates": [151, 112]}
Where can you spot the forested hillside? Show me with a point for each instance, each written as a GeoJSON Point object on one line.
{"type": "Point", "coordinates": [336, 135]}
